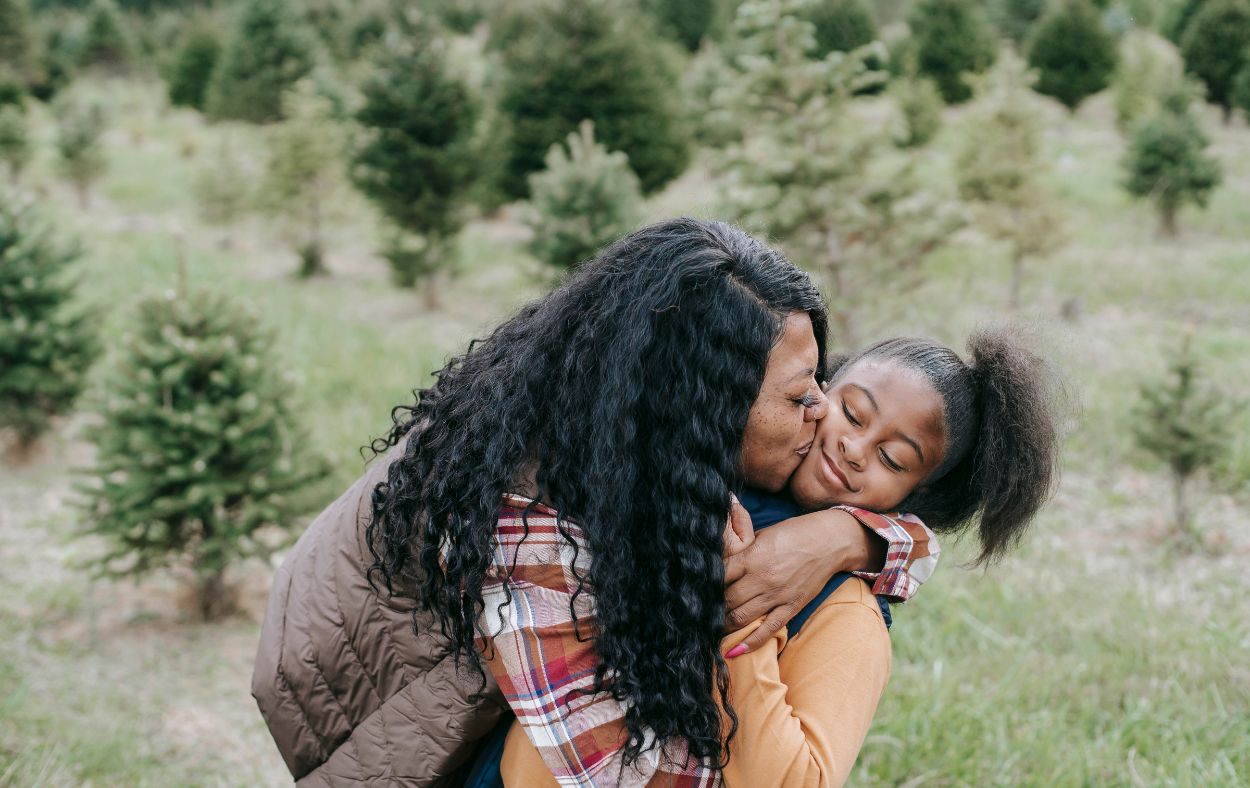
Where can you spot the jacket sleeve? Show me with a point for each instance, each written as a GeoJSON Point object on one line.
{"type": "Point", "coordinates": [804, 707]}
{"type": "Point", "coordinates": [912, 552]}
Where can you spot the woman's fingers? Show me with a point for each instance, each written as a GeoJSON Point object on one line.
{"type": "Point", "coordinates": [775, 620]}
{"type": "Point", "coordinates": [745, 611]}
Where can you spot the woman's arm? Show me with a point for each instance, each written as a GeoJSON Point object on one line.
{"type": "Point", "coordinates": [789, 563]}
{"type": "Point", "coordinates": [804, 707]}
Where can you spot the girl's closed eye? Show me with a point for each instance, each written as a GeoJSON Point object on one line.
{"type": "Point", "coordinates": [849, 416]}
{"type": "Point", "coordinates": [890, 463]}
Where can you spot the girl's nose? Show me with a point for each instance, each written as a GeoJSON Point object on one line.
{"type": "Point", "coordinates": [851, 452]}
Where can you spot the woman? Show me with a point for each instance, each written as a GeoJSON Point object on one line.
{"type": "Point", "coordinates": [677, 366]}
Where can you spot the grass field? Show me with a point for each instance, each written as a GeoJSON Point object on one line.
{"type": "Point", "coordinates": [1100, 654]}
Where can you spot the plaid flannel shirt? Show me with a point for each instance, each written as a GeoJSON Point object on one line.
{"type": "Point", "coordinates": [541, 651]}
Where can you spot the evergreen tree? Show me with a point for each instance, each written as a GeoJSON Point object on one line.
{"type": "Point", "coordinates": [1182, 14]}
{"type": "Point", "coordinates": [200, 448]}
{"type": "Point", "coordinates": [1241, 90]}
{"type": "Point", "coordinates": [1216, 47]}
{"type": "Point", "coordinates": [107, 42]}
{"type": "Point", "coordinates": [221, 190]}
{"type": "Point", "coordinates": [79, 128]}
{"type": "Point", "coordinates": [590, 60]}
{"type": "Point", "coordinates": [1015, 18]}
{"type": "Point", "coordinates": [193, 67]}
{"type": "Point", "coordinates": [1166, 160]}
{"type": "Point", "coordinates": [707, 88]}
{"type": "Point", "coordinates": [813, 173]}
{"type": "Point", "coordinates": [999, 168]}
{"type": "Point", "coordinates": [841, 25]}
{"type": "Point", "coordinates": [951, 38]}
{"type": "Point", "coordinates": [686, 21]}
{"type": "Point", "coordinates": [920, 110]}
{"type": "Point", "coordinates": [46, 347]}
{"type": "Point", "coordinates": [1073, 54]}
{"type": "Point", "coordinates": [585, 199]}
{"type": "Point", "coordinates": [1183, 422]}
{"type": "Point", "coordinates": [270, 49]}
{"type": "Point", "coordinates": [304, 179]}
{"type": "Point", "coordinates": [15, 147]}
{"type": "Point", "coordinates": [419, 157]}
{"type": "Point", "coordinates": [17, 50]}
{"type": "Point", "coordinates": [1148, 66]}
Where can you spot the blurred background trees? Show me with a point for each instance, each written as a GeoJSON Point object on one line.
{"type": "Point", "coordinates": [1072, 52]}
{"type": "Point", "coordinates": [586, 198]}
{"type": "Point", "coordinates": [417, 160]}
{"type": "Point", "coordinates": [47, 342]}
{"type": "Point", "coordinates": [270, 48]}
{"type": "Point", "coordinates": [472, 151]}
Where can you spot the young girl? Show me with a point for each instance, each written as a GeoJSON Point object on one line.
{"type": "Point", "coordinates": [912, 427]}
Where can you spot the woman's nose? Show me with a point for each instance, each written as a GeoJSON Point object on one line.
{"type": "Point", "coordinates": [819, 407]}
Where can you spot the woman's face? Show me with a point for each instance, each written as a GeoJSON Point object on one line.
{"type": "Point", "coordinates": [782, 423]}
{"type": "Point", "coordinates": [882, 436]}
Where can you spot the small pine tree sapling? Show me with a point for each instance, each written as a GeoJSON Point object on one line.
{"type": "Point", "coordinates": [15, 145]}
{"type": "Point", "coordinates": [841, 25]}
{"type": "Point", "coordinates": [418, 157]}
{"type": "Point", "coordinates": [1072, 53]}
{"type": "Point", "coordinates": [80, 126]}
{"type": "Point", "coordinates": [305, 175]}
{"type": "Point", "coordinates": [107, 42]}
{"type": "Point", "coordinates": [1241, 90]}
{"type": "Point", "coordinates": [1183, 422]}
{"type": "Point", "coordinates": [46, 345]}
{"type": "Point", "coordinates": [270, 49]}
{"type": "Point", "coordinates": [1148, 66]}
{"type": "Point", "coordinates": [920, 108]}
{"type": "Point", "coordinates": [572, 60]}
{"type": "Point", "coordinates": [951, 38]}
{"type": "Point", "coordinates": [193, 68]}
{"type": "Point", "coordinates": [1216, 46]}
{"type": "Point", "coordinates": [221, 192]}
{"type": "Point", "coordinates": [200, 452]}
{"type": "Point", "coordinates": [1166, 161]}
{"type": "Point", "coordinates": [586, 198]}
{"type": "Point", "coordinates": [999, 168]}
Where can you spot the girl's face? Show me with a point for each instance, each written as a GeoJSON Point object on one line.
{"type": "Point", "coordinates": [882, 436]}
{"type": "Point", "coordinates": [782, 423]}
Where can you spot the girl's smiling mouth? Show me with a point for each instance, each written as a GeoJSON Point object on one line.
{"type": "Point", "coordinates": [835, 473]}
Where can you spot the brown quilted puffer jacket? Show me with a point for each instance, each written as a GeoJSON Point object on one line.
{"type": "Point", "coordinates": [351, 695]}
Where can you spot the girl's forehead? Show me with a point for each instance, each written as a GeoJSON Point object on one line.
{"type": "Point", "coordinates": [894, 390]}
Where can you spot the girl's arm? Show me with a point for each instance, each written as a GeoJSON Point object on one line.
{"type": "Point", "coordinates": [805, 706]}
{"type": "Point", "coordinates": [789, 563]}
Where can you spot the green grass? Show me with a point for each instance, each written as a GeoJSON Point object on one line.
{"type": "Point", "coordinates": [1100, 654]}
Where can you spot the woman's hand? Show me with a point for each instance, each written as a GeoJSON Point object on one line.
{"type": "Point", "coordinates": [784, 567]}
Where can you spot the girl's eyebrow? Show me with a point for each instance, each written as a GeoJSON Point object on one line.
{"type": "Point", "coordinates": [869, 395]}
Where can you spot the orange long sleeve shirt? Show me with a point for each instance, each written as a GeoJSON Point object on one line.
{"type": "Point", "coordinates": [804, 705]}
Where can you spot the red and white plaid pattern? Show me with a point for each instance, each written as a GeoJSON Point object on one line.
{"type": "Point", "coordinates": [911, 553]}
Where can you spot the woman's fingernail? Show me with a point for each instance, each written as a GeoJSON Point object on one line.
{"type": "Point", "coordinates": [736, 651]}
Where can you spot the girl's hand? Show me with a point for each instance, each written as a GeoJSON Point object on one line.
{"type": "Point", "coordinates": [739, 531]}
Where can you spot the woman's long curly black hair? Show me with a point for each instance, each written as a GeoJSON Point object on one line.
{"type": "Point", "coordinates": [625, 393]}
